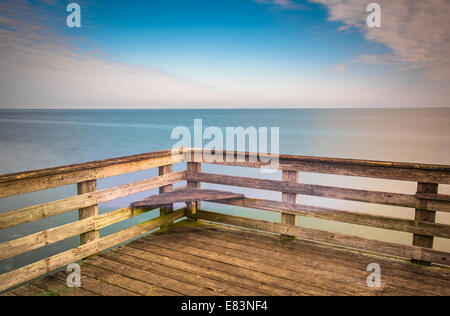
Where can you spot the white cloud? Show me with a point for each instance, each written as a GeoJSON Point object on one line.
{"type": "Point", "coordinates": [415, 31]}
{"type": "Point", "coordinates": [283, 4]}
{"type": "Point", "coordinates": [340, 68]}
{"type": "Point", "coordinates": [41, 68]}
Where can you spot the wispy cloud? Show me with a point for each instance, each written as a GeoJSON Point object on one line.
{"type": "Point", "coordinates": [283, 4]}
{"type": "Point", "coordinates": [415, 31]}
{"type": "Point", "coordinates": [41, 67]}
{"type": "Point", "coordinates": [340, 68]}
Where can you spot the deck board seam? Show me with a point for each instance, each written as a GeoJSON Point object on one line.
{"type": "Point", "coordinates": [221, 262]}
{"type": "Point", "coordinates": [354, 252]}
{"type": "Point", "coordinates": [164, 274]}
{"type": "Point", "coordinates": [83, 276]}
{"type": "Point", "coordinates": [235, 240]}
{"type": "Point", "coordinates": [44, 290]}
{"type": "Point", "coordinates": [236, 276]}
{"type": "Point", "coordinates": [102, 268]}
{"type": "Point", "coordinates": [52, 276]}
{"type": "Point", "coordinates": [357, 281]}
{"type": "Point", "coordinates": [340, 291]}
{"type": "Point", "coordinates": [157, 273]}
{"type": "Point", "coordinates": [277, 276]}
{"type": "Point", "coordinates": [276, 287]}
{"type": "Point", "coordinates": [202, 275]}
{"type": "Point", "coordinates": [438, 279]}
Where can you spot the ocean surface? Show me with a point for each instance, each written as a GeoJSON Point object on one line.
{"type": "Point", "coordinates": [31, 139]}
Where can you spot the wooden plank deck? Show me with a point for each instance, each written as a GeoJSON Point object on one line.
{"type": "Point", "coordinates": [207, 260]}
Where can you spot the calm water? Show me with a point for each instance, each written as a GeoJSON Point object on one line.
{"type": "Point", "coordinates": [47, 138]}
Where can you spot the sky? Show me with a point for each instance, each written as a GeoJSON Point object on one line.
{"type": "Point", "coordinates": [224, 54]}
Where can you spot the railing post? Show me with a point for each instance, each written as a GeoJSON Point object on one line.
{"type": "Point", "coordinates": [83, 188]}
{"type": "Point", "coordinates": [167, 209]}
{"type": "Point", "coordinates": [193, 167]}
{"type": "Point", "coordinates": [289, 219]}
{"type": "Point", "coordinates": [423, 215]}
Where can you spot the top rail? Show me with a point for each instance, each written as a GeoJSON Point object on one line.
{"type": "Point", "coordinates": [30, 181]}
{"type": "Point", "coordinates": [415, 172]}
{"type": "Point", "coordinates": [325, 160]}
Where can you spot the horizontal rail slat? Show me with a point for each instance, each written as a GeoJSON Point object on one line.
{"type": "Point", "coordinates": [37, 240]}
{"type": "Point", "coordinates": [85, 165]}
{"type": "Point", "coordinates": [370, 245]}
{"type": "Point", "coordinates": [189, 154]}
{"type": "Point", "coordinates": [33, 213]}
{"type": "Point", "coordinates": [346, 167]}
{"type": "Point", "coordinates": [34, 270]}
{"type": "Point", "coordinates": [386, 198]}
{"type": "Point", "coordinates": [434, 197]}
{"type": "Point", "coordinates": [18, 185]}
{"type": "Point", "coordinates": [404, 225]}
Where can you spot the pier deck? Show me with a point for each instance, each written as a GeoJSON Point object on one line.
{"type": "Point", "coordinates": [208, 260]}
{"type": "Point", "coordinates": [196, 258]}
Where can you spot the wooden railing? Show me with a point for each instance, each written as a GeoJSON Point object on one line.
{"type": "Point", "coordinates": [87, 200]}
{"type": "Point", "coordinates": [427, 202]}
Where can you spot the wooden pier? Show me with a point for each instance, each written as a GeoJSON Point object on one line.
{"type": "Point", "coordinates": [206, 253]}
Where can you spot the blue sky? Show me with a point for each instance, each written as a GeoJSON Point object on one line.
{"type": "Point", "coordinates": [221, 53]}
{"type": "Point", "coordinates": [194, 34]}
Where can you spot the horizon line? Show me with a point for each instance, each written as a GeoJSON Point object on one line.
{"type": "Point", "coordinates": [229, 108]}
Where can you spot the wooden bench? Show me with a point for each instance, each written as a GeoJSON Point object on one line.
{"type": "Point", "coordinates": [187, 195]}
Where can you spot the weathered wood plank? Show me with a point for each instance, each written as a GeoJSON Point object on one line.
{"type": "Point", "coordinates": [306, 263]}
{"type": "Point", "coordinates": [90, 211]}
{"type": "Point", "coordinates": [194, 167]}
{"type": "Point", "coordinates": [227, 273]}
{"type": "Point", "coordinates": [327, 237]}
{"type": "Point", "coordinates": [197, 280]}
{"type": "Point", "coordinates": [87, 165]}
{"type": "Point", "coordinates": [410, 226]}
{"type": "Point", "coordinates": [348, 263]}
{"type": "Point", "coordinates": [260, 239]}
{"type": "Point", "coordinates": [31, 271]}
{"type": "Point", "coordinates": [305, 282]}
{"type": "Point", "coordinates": [130, 284]}
{"type": "Point", "coordinates": [33, 213]}
{"type": "Point", "coordinates": [51, 178]}
{"type": "Point", "coordinates": [96, 286]}
{"type": "Point", "coordinates": [185, 195]}
{"type": "Point", "coordinates": [433, 197]}
{"type": "Point", "coordinates": [226, 283]}
{"type": "Point", "coordinates": [286, 218]}
{"type": "Point", "coordinates": [29, 290]}
{"type": "Point", "coordinates": [149, 277]}
{"type": "Point", "coordinates": [55, 286]}
{"type": "Point", "coordinates": [37, 240]}
{"type": "Point", "coordinates": [386, 198]}
{"type": "Point", "coordinates": [188, 258]}
{"type": "Point", "coordinates": [163, 170]}
{"type": "Point", "coordinates": [351, 167]}
{"type": "Point", "coordinates": [188, 153]}
{"type": "Point", "coordinates": [424, 216]}
{"type": "Point", "coordinates": [245, 268]}
{"type": "Point", "coordinates": [18, 246]}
